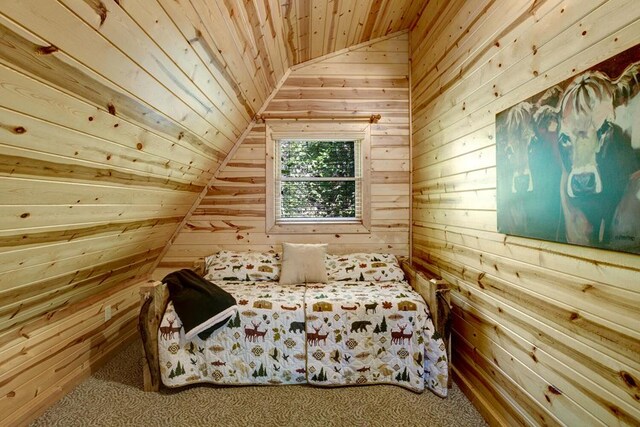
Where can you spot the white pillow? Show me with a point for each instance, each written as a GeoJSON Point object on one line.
{"type": "Point", "coordinates": [303, 263]}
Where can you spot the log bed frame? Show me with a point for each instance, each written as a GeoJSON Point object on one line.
{"type": "Point", "coordinates": [155, 296]}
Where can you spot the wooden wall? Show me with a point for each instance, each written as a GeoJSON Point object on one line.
{"type": "Point", "coordinates": [113, 118]}
{"type": "Point", "coordinates": [544, 333]}
{"type": "Point", "coordinates": [367, 80]}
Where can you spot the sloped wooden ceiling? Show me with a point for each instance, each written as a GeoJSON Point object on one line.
{"type": "Point", "coordinates": [370, 79]}
{"type": "Point", "coordinates": [114, 117]}
{"type": "Point", "coordinates": [312, 28]}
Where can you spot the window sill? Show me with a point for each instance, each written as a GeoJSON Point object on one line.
{"type": "Point", "coordinates": [319, 228]}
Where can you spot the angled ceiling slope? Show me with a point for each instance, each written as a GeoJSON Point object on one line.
{"type": "Point", "coordinates": [115, 116]}
{"type": "Point", "coordinates": [308, 30]}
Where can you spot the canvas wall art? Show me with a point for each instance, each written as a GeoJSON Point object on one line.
{"type": "Point", "coordinates": [568, 159]}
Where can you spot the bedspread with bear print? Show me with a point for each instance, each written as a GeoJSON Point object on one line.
{"type": "Point", "coordinates": [339, 333]}
{"type": "Point", "coordinates": [372, 333]}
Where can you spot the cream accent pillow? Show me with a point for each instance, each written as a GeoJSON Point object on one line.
{"type": "Point", "coordinates": [303, 263]}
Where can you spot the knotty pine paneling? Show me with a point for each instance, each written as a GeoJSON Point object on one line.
{"type": "Point", "coordinates": [48, 357]}
{"type": "Point", "coordinates": [232, 214]}
{"type": "Point", "coordinates": [550, 331]}
{"type": "Point", "coordinates": [313, 28]}
{"type": "Point", "coordinates": [114, 116]}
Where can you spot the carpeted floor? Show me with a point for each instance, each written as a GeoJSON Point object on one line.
{"type": "Point", "coordinates": [113, 397]}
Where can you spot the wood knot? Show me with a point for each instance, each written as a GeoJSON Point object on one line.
{"type": "Point", "coordinates": [139, 146]}
{"type": "Point", "coordinates": [628, 379]}
{"type": "Point", "coordinates": [46, 50]}
{"type": "Point", "coordinates": [19, 130]}
{"type": "Point", "coordinates": [574, 316]}
{"type": "Point", "coordinates": [553, 389]}
{"type": "Point", "coordinates": [112, 109]}
{"type": "Point", "coordinates": [25, 215]}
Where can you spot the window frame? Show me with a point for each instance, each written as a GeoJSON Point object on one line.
{"type": "Point", "coordinates": [299, 130]}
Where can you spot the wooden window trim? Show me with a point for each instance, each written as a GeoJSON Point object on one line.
{"type": "Point", "coordinates": [315, 130]}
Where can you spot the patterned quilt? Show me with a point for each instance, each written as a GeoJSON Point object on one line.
{"type": "Point", "coordinates": [263, 344]}
{"type": "Point", "coordinates": [347, 333]}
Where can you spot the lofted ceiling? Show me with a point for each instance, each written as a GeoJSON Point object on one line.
{"type": "Point", "coordinates": [116, 114]}
{"type": "Point", "coordinates": [315, 28]}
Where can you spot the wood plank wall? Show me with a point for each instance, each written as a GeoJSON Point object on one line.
{"type": "Point", "coordinates": [370, 79]}
{"type": "Point", "coordinates": [114, 115]}
{"type": "Point", "coordinates": [544, 333]}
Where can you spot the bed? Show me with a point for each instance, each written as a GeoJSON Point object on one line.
{"type": "Point", "coordinates": [365, 325]}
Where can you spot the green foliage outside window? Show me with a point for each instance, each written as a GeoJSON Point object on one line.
{"type": "Point", "coordinates": [302, 196]}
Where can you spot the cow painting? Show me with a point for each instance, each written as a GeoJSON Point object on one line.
{"type": "Point", "coordinates": [568, 160]}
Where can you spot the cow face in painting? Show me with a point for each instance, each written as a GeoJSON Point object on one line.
{"type": "Point", "coordinates": [597, 153]}
{"type": "Point", "coordinates": [529, 167]}
{"type": "Point", "coordinates": [586, 116]}
{"type": "Point", "coordinates": [518, 134]}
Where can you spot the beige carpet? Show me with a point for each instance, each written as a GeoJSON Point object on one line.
{"type": "Point", "coordinates": [113, 397]}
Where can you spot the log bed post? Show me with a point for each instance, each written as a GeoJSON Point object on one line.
{"type": "Point", "coordinates": [436, 293]}
{"type": "Point", "coordinates": [153, 300]}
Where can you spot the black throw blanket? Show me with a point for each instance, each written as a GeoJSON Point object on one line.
{"type": "Point", "coordinates": [201, 306]}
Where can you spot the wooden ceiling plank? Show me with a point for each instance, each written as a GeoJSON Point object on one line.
{"type": "Point", "coordinates": [20, 51]}
{"type": "Point", "coordinates": [317, 20]}
{"type": "Point", "coordinates": [248, 26]}
{"type": "Point", "coordinates": [224, 12]}
{"type": "Point", "coordinates": [304, 35]}
{"type": "Point", "coordinates": [159, 26]}
{"type": "Point", "coordinates": [344, 21]}
{"type": "Point", "coordinates": [39, 136]}
{"type": "Point", "coordinates": [119, 30]}
{"type": "Point", "coordinates": [219, 61]}
{"type": "Point", "coordinates": [331, 26]}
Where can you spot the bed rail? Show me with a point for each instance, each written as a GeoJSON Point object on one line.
{"type": "Point", "coordinates": [436, 293]}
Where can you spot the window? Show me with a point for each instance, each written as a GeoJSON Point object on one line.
{"type": "Point", "coordinates": [318, 181]}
